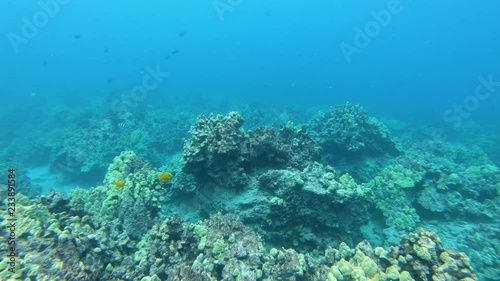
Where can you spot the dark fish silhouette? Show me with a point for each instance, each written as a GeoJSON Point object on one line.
{"type": "Point", "coordinates": [106, 50]}
{"type": "Point", "coordinates": [77, 36]}
{"type": "Point", "coordinates": [166, 57]}
{"type": "Point", "coordinates": [175, 52]}
{"type": "Point", "coordinates": [181, 34]}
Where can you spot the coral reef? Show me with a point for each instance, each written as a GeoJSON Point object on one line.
{"type": "Point", "coordinates": [83, 149]}
{"type": "Point", "coordinates": [347, 130]}
{"type": "Point", "coordinates": [309, 209]}
{"type": "Point", "coordinates": [213, 151]}
{"type": "Point", "coordinates": [60, 244]}
{"type": "Point", "coordinates": [219, 150]}
{"type": "Point", "coordinates": [423, 256]}
{"type": "Point", "coordinates": [24, 183]}
{"type": "Point", "coordinates": [288, 205]}
{"type": "Point", "coordinates": [436, 185]}
{"type": "Point", "coordinates": [390, 194]}
{"type": "Point", "coordinates": [419, 256]}
{"type": "Point", "coordinates": [49, 246]}
{"type": "Point", "coordinates": [165, 131]}
{"type": "Point", "coordinates": [135, 206]}
{"type": "Point", "coordinates": [282, 193]}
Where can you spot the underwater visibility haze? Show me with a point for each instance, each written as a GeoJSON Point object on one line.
{"type": "Point", "coordinates": [250, 140]}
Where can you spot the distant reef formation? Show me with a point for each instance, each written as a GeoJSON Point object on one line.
{"type": "Point", "coordinates": [347, 130]}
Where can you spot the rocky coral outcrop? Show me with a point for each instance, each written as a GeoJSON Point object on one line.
{"type": "Point", "coordinates": [220, 151]}
{"type": "Point", "coordinates": [304, 209]}
{"type": "Point", "coordinates": [423, 256]}
{"type": "Point", "coordinates": [348, 130]}
{"type": "Point", "coordinates": [213, 152]}
{"type": "Point", "coordinates": [135, 206]}
{"type": "Point", "coordinates": [309, 209]}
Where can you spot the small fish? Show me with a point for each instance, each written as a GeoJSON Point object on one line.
{"type": "Point", "coordinates": [122, 125]}
{"type": "Point", "coordinates": [119, 183]}
{"type": "Point", "coordinates": [175, 52]}
{"type": "Point", "coordinates": [44, 63]}
{"type": "Point", "coordinates": [106, 50]}
{"type": "Point", "coordinates": [181, 34]}
{"type": "Point", "coordinates": [164, 177]}
{"type": "Point", "coordinates": [166, 57]}
{"type": "Point", "coordinates": [110, 81]}
{"type": "Point", "coordinates": [77, 36]}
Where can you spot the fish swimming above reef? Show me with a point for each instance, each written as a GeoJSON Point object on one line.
{"type": "Point", "coordinates": [119, 183]}
{"type": "Point", "coordinates": [164, 177]}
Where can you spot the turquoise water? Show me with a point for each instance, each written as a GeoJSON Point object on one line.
{"type": "Point", "coordinates": [83, 81]}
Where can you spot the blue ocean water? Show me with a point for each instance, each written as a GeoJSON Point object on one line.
{"type": "Point", "coordinates": [426, 69]}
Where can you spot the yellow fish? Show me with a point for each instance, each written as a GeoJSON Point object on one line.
{"type": "Point", "coordinates": [119, 183]}
{"type": "Point", "coordinates": [166, 176]}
